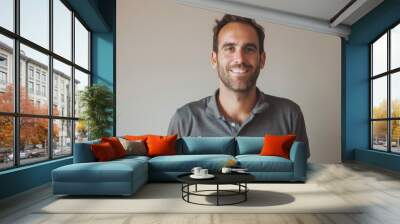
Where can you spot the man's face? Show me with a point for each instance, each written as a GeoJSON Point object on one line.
{"type": "Point", "coordinates": [238, 61]}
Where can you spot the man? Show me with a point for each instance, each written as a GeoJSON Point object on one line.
{"type": "Point", "coordinates": [238, 107]}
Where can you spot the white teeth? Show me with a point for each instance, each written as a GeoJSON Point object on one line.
{"type": "Point", "coordinates": [238, 70]}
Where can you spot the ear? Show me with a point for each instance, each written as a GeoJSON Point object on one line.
{"type": "Point", "coordinates": [214, 60]}
{"type": "Point", "coordinates": [262, 60]}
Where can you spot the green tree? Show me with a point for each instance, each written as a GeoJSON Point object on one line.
{"type": "Point", "coordinates": [96, 102]}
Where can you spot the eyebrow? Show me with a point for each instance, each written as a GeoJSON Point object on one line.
{"type": "Point", "coordinates": [229, 44]}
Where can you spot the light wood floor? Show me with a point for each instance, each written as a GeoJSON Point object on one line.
{"type": "Point", "coordinates": [353, 182]}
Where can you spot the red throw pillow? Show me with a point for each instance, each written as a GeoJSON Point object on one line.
{"type": "Point", "coordinates": [116, 145]}
{"type": "Point", "coordinates": [277, 145]}
{"type": "Point", "coordinates": [103, 151]}
{"type": "Point", "coordinates": [161, 145]}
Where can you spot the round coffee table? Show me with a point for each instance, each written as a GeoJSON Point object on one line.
{"type": "Point", "coordinates": [238, 179]}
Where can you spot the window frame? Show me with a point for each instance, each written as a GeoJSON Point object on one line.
{"type": "Point", "coordinates": [16, 114]}
{"type": "Point", "coordinates": [388, 74]}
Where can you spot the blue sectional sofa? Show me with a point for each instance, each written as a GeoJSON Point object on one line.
{"type": "Point", "coordinates": [125, 176]}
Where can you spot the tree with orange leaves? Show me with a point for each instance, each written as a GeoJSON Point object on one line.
{"type": "Point", "coordinates": [33, 130]}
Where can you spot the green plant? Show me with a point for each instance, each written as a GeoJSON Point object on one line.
{"type": "Point", "coordinates": [96, 102]}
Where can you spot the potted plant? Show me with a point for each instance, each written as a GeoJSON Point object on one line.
{"type": "Point", "coordinates": [96, 102]}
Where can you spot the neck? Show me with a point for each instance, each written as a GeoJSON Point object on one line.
{"type": "Point", "coordinates": [236, 106]}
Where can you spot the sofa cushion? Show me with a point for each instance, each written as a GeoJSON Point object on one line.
{"type": "Point", "coordinates": [111, 171]}
{"type": "Point", "coordinates": [249, 145]}
{"type": "Point", "coordinates": [206, 145]}
{"type": "Point", "coordinates": [134, 147]}
{"type": "Point", "coordinates": [116, 145]}
{"type": "Point", "coordinates": [185, 163]}
{"type": "Point", "coordinates": [161, 145]}
{"type": "Point", "coordinates": [133, 158]}
{"type": "Point", "coordinates": [136, 137]}
{"type": "Point", "coordinates": [277, 145]}
{"type": "Point", "coordinates": [103, 152]}
{"type": "Point", "coordinates": [257, 163]}
{"type": "Point", "coordinates": [83, 152]}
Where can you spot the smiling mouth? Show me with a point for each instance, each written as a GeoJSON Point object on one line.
{"type": "Point", "coordinates": [239, 71]}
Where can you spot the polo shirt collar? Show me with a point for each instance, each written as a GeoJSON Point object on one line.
{"type": "Point", "coordinates": [212, 107]}
{"type": "Point", "coordinates": [262, 103]}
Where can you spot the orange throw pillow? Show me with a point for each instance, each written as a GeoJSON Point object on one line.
{"type": "Point", "coordinates": [277, 145]}
{"type": "Point", "coordinates": [116, 145]}
{"type": "Point", "coordinates": [161, 145]}
{"type": "Point", "coordinates": [103, 151]}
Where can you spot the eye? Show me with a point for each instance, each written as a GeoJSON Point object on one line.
{"type": "Point", "coordinates": [250, 49]}
{"type": "Point", "coordinates": [229, 48]}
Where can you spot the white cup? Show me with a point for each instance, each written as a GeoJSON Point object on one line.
{"type": "Point", "coordinates": [203, 172]}
{"type": "Point", "coordinates": [226, 170]}
{"type": "Point", "coordinates": [196, 170]}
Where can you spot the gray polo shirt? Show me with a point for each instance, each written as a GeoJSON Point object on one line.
{"type": "Point", "coordinates": [271, 115]}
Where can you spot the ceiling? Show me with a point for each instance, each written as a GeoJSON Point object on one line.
{"type": "Point", "coordinates": [320, 9]}
{"type": "Point", "coordinates": [333, 17]}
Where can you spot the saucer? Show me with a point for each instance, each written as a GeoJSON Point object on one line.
{"type": "Point", "coordinates": [208, 176]}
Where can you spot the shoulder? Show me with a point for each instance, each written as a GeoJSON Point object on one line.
{"type": "Point", "coordinates": [282, 103]}
{"type": "Point", "coordinates": [193, 108]}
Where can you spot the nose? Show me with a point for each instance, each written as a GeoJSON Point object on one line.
{"type": "Point", "coordinates": [238, 56]}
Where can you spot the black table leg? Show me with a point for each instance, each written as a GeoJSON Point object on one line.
{"type": "Point", "coordinates": [182, 190]}
{"type": "Point", "coordinates": [188, 190]}
{"type": "Point", "coordinates": [245, 193]}
{"type": "Point", "coordinates": [217, 194]}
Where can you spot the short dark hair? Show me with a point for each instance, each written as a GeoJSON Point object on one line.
{"type": "Point", "coordinates": [238, 19]}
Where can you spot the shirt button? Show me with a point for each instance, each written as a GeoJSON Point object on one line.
{"type": "Point", "coordinates": [233, 124]}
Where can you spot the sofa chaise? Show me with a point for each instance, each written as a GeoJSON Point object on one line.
{"type": "Point", "coordinates": [125, 176]}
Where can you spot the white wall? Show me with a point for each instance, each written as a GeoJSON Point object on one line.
{"type": "Point", "coordinates": [163, 62]}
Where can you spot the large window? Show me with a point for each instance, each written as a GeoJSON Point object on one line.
{"type": "Point", "coordinates": [385, 91]}
{"type": "Point", "coordinates": [44, 64]}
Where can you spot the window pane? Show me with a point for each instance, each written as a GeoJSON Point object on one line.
{"type": "Point", "coordinates": [395, 95]}
{"type": "Point", "coordinates": [62, 29]}
{"type": "Point", "coordinates": [81, 45]}
{"type": "Point", "coordinates": [33, 139]}
{"type": "Point", "coordinates": [81, 131]}
{"type": "Point", "coordinates": [7, 14]}
{"type": "Point", "coordinates": [6, 74]}
{"type": "Point", "coordinates": [81, 81]}
{"type": "Point", "coordinates": [379, 135]}
{"type": "Point", "coordinates": [62, 89]}
{"type": "Point", "coordinates": [35, 21]}
{"type": "Point", "coordinates": [62, 138]}
{"type": "Point", "coordinates": [379, 55]}
{"type": "Point", "coordinates": [6, 142]}
{"type": "Point", "coordinates": [379, 97]}
{"type": "Point", "coordinates": [395, 136]}
{"type": "Point", "coordinates": [395, 47]}
{"type": "Point", "coordinates": [34, 78]}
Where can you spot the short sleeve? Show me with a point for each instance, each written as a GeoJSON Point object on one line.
{"type": "Point", "coordinates": [175, 125]}
{"type": "Point", "coordinates": [300, 130]}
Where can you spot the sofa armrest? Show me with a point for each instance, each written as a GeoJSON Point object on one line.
{"type": "Point", "coordinates": [299, 158]}
{"type": "Point", "coordinates": [83, 152]}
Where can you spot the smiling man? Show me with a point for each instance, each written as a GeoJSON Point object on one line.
{"type": "Point", "coordinates": [238, 107]}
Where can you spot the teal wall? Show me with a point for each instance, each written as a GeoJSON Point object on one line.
{"type": "Point", "coordinates": [103, 51]}
{"type": "Point", "coordinates": [24, 178]}
{"type": "Point", "coordinates": [99, 15]}
{"type": "Point", "coordinates": [356, 86]}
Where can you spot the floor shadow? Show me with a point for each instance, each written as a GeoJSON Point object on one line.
{"type": "Point", "coordinates": [255, 198]}
{"type": "Point", "coordinates": [148, 191]}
